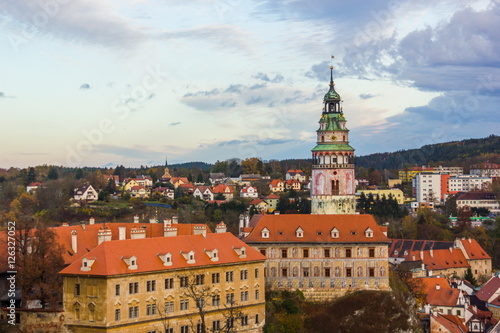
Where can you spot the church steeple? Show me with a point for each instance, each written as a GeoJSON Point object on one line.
{"type": "Point", "coordinates": [332, 190]}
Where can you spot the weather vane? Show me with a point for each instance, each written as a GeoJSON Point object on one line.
{"type": "Point", "coordinates": [331, 62]}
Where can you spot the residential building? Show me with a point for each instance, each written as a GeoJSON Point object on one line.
{"type": "Point", "coordinates": [32, 187]}
{"type": "Point", "coordinates": [216, 178]}
{"type": "Point", "coordinates": [158, 284]}
{"type": "Point", "coordinates": [490, 294]}
{"type": "Point", "coordinates": [178, 181]}
{"type": "Point", "coordinates": [165, 191]}
{"type": "Point", "coordinates": [272, 202]}
{"type": "Point", "coordinates": [485, 170]}
{"type": "Point", "coordinates": [225, 190]}
{"type": "Point", "coordinates": [277, 185]}
{"type": "Point", "coordinates": [129, 183]}
{"type": "Point", "coordinates": [249, 192]}
{"type": "Point", "coordinates": [296, 174]}
{"type": "Point", "coordinates": [442, 298]}
{"type": "Point", "coordinates": [260, 205]}
{"type": "Point", "coordinates": [395, 193]}
{"type": "Point", "coordinates": [85, 193]}
{"type": "Point", "coordinates": [406, 175]}
{"type": "Point", "coordinates": [466, 183]}
{"type": "Point", "coordinates": [332, 179]}
{"type": "Point", "coordinates": [486, 200]}
{"type": "Point", "coordinates": [427, 187]}
{"type": "Point", "coordinates": [293, 184]}
{"type": "Point", "coordinates": [204, 193]}
{"type": "Point", "coordinates": [139, 192]}
{"type": "Point", "coordinates": [324, 256]}
{"type": "Point", "coordinates": [442, 323]}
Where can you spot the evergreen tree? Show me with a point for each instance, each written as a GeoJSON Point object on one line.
{"type": "Point", "coordinates": [468, 276]}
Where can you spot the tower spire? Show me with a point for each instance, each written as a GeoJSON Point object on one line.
{"type": "Point", "coordinates": [331, 71]}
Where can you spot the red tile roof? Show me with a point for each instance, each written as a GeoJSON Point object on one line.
{"type": "Point", "coordinates": [477, 196]}
{"type": "Point", "coordinates": [444, 296]}
{"type": "Point", "coordinates": [221, 188]}
{"type": "Point", "coordinates": [473, 249]}
{"type": "Point", "coordinates": [490, 289]}
{"type": "Point", "coordinates": [256, 201]}
{"type": "Point", "coordinates": [246, 189]}
{"type": "Point", "coordinates": [452, 323]}
{"type": "Point", "coordinates": [317, 228]}
{"type": "Point", "coordinates": [109, 255]}
{"type": "Point", "coordinates": [87, 236]}
{"type": "Point", "coordinates": [440, 259]}
{"type": "Point", "coordinates": [272, 196]}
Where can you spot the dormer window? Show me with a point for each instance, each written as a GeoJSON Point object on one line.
{"type": "Point", "coordinates": [87, 264]}
{"type": "Point", "coordinates": [189, 256]}
{"type": "Point", "coordinates": [369, 233]}
{"type": "Point", "coordinates": [166, 258]}
{"type": "Point", "coordinates": [213, 254]}
{"type": "Point", "coordinates": [299, 232]}
{"type": "Point", "coordinates": [335, 233]}
{"type": "Point", "coordinates": [265, 233]}
{"type": "Point", "coordinates": [131, 262]}
{"type": "Point", "coordinates": [241, 252]}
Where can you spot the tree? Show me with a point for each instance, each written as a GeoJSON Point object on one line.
{"type": "Point", "coordinates": [53, 174]}
{"type": "Point", "coordinates": [468, 276]}
{"type": "Point", "coordinates": [252, 165]}
{"type": "Point", "coordinates": [220, 167]}
{"type": "Point", "coordinates": [31, 176]}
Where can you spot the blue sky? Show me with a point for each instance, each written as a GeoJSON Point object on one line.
{"type": "Point", "coordinates": [104, 82]}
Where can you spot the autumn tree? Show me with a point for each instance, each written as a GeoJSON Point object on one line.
{"type": "Point", "coordinates": [252, 165]}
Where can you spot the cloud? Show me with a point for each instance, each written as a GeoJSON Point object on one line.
{"type": "Point", "coordinates": [3, 95]}
{"type": "Point", "coordinates": [89, 21]}
{"type": "Point", "coordinates": [366, 96]}
{"type": "Point", "coordinates": [278, 78]}
{"type": "Point", "coordinates": [175, 124]}
{"type": "Point", "coordinates": [85, 86]}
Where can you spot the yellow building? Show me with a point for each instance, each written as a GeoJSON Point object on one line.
{"type": "Point", "coordinates": [162, 285]}
{"type": "Point", "coordinates": [324, 256]}
{"type": "Point", "coordinates": [395, 192]}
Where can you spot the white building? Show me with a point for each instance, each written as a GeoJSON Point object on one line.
{"type": "Point", "coordinates": [485, 170]}
{"type": "Point", "coordinates": [249, 192]}
{"type": "Point", "coordinates": [486, 200]}
{"type": "Point", "coordinates": [466, 183]}
{"type": "Point", "coordinates": [427, 187]}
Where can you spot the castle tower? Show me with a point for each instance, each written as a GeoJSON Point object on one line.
{"type": "Point", "coordinates": [332, 183]}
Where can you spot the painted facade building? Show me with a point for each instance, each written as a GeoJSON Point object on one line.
{"type": "Point", "coordinates": [332, 179]}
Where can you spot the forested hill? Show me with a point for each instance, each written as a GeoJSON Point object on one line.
{"type": "Point", "coordinates": [460, 153]}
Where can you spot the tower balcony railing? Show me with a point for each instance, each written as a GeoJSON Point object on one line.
{"type": "Point", "coordinates": [333, 166]}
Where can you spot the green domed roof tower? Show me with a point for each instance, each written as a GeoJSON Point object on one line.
{"type": "Point", "coordinates": [332, 183]}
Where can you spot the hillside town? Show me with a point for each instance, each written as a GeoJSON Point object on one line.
{"type": "Point", "coordinates": [175, 250]}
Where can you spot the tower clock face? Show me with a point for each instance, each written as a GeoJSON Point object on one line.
{"type": "Point", "coordinates": [334, 137]}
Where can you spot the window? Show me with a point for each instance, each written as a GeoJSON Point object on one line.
{"type": "Point", "coordinates": [133, 312]}
{"type": "Point", "coordinates": [230, 298]}
{"type": "Point", "coordinates": [169, 283]}
{"type": "Point", "coordinates": [305, 253]}
{"type": "Point", "coordinates": [169, 330]}
{"type": "Point", "coordinates": [284, 272]}
{"type": "Point", "coordinates": [244, 274]}
{"type": "Point", "coordinates": [199, 328]}
{"type": "Point", "coordinates": [150, 309]}
{"type": "Point", "coordinates": [305, 272]}
{"type": "Point", "coordinates": [327, 272]}
{"type": "Point", "coordinates": [327, 253]}
{"type": "Point", "coordinates": [215, 325]}
{"type": "Point", "coordinates": [133, 288]}
{"type": "Point", "coordinates": [117, 315]}
{"type": "Point", "coordinates": [348, 272]}
{"type": "Point", "coordinates": [117, 290]}
{"type": "Point", "coordinates": [244, 296]}
{"type": "Point", "coordinates": [263, 251]}
{"type": "Point", "coordinates": [169, 307]}
{"type": "Point", "coordinates": [215, 278]}
{"type": "Point", "coordinates": [284, 253]}
{"type": "Point", "coordinates": [257, 318]}
{"type": "Point", "coordinates": [371, 272]}
{"type": "Point", "coordinates": [184, 304]}
{"type": "Point", "coordinates": [183, 281]}
{"type": "Point", "coordinates": [151, 286]}
{"type": "Point", "coordinates": [230, 322]}
{"type": "Point", "coordinates": [244, 320]}
{"type": "Point", "coordinates": [184, 329]}
{"type": "Point", "coordinates": [200, 279]}
{"type": "Point", "coordinates": [371, 252]}
{"type": "Point", "coordinates": [257, 295]}
{"type": "Point", "coordinates": [215, 300]}
{"type": "Point", "coordinates": [348, 253]}
{"type": "Point", "coordinates": [77, 289]}
{"type": "Point", "coordinates": [256, 273]}
{"type": "Point", "coordinates": [229, 276]}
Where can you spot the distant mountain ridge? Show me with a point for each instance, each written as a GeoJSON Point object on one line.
{"type": "Point", "coordinates": [464, 152]}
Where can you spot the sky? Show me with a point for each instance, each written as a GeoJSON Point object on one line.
{"type": "Point", "coordinates": [133, 82]}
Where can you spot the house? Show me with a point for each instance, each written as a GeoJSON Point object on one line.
{"type": "Point", "coordinates": [32, 187]}
{"type": "Point", "coordinates": [85, 193]}
{"type": "Point", "coordinates": [216, 178]}
{"type": "Point", "coordinates": [277, 185]}
{"type": "Point", "coordinates": [490, 294]}
{"type": "Point", "coordinates": [446, 324]}
{"type": "Point", "coordinates": [177, 181]}
{"type": "Point", "coordinates": [204, 193]}
{"type": "Point", "coordinates": [441, 297]}
{"type": "Point", "coordinates": [485, 170]}
{"type": "Point", "coordinates": [129, 183]}
{"type": "Point", "coordinates": [272, 202]}
{"type": "Point", "coordinates": [296, 174]}
{"type": "Point", "coordinates": [114, 178]}
{"type": "Point", "coordinates": [187, 188]}
{"type": "Point", "coordinates": [293, 184]}
{"type": "Point", "coordinates": [486, 200]}
{"type": "Point", "coordinates": [395, 193]}
{"type": "Point", "coordinates": [479, 261]}
{"type": "Point", "coordinates": [324, 256]}
{"type": "Point", "coordinates": [165, 191]}
{"type": "Point", "coordinates": [249, 192]}
{"type": "Point", "coordinates": [259, 205]}
{"type": "Point", "coordinates": [139, 192]}
{"type": "Point", "coordinates": [151, 285]}
{"type": "Point", "coordinates": [225, 190]}
{"type": "Point", "coordinates": [247, 179]}
{"type": "Point", "coordinates": [448, 262]}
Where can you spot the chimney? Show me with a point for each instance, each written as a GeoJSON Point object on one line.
{"type": "Point", "coordinates": [83, 226]}
{"type": "Point", "coordinates": [91, 220]}
{"type": "Point", "coordinates": [470, 240]}
{"type": "Point", "coordinates": [247, 220]}
{"type": "Point", "coordinates": [438, 287]}
{"type": "Point", "coordinates": [421, 255]}
{"type": "Point", "coordinates": [175, 219]}
{"type": "Point", "coordinates": [170, 232]}
{"type": "Point", "coordinates": [103, 235]}
{"type": "Point", "coordinates": [221, 228]}
{"type": "Point", "coordinates": [451, 249]}
{"type": "Point", "coordinates": [241, 225]}
{"type": "Point", "coordinates": [200, 230]}
{"type": "Point", "coordinates": [74, 239]}
{"type": "Point", "coordinates": [136, 233]}
{"type": "Point", "coordinates": [276, 212]}
{"type": "Point", "coordinates": [122, 232]}
{"type": "Point", "coordinates": [152, 220]}
{"type": "Point", "coordinates": [167, 223]}
{"type": "Point", "coordinates": [65, 225]}
{"type": "Point", "coordinates": [431, 252]}
{"type": "Point", "coordinates": [136, 218]}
